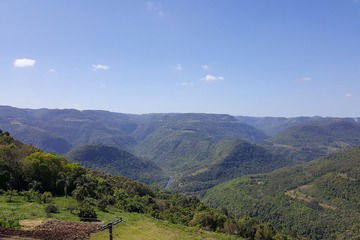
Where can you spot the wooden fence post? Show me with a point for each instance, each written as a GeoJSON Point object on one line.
{"type": "Point", "coordinates": [110, 232]}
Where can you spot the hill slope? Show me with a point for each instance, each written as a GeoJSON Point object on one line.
{"type": "Point", "coordinates": [315, 139]}
{"type": "Point", "coordinates": [185, 142]}
{"type": "Point", "coordinates": [318, 200]}
{"type": "Point", "coordinates": [229, 159]}
{"type": "Point", "coordinates": [116, 162]}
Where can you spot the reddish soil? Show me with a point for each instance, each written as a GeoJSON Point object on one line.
{"type": "Point", "coordinates": [54, 230]}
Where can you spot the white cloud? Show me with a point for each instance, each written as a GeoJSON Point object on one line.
{"type": "Point", "coordinates": [306, 79]}
{"type": "Point", "coordinates": [205, 67]}
{"type": "Point", "coordinates": [178, 67]}
{"type": "Point", "coordinates": [24, 62]}
{"type": "Point", "coordinates": [348, 95]}
{"type": "Point", "coordinates": [52, 70]}
{"type": "Point", "coordinates": [96, 67]}
{"type": "Point", "coordinates": [186, 84]}
{"type": "Point", "coordinates": [210, 77]}
{"type": "Point", "coordinates": [155, 7]}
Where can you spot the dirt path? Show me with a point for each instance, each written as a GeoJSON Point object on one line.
{"type": "Point", "coordinates": [51, 230]}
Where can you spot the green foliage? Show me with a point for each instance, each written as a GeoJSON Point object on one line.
{"type": "Point", "coordinates": [231, 159]}
{"type": "Point", "coordinates": [10, 194]}
{"type": "Point", "coordinates": [87, 210]}
{"type": "Point", "coordinates": [116, 162]}
{"type": "Point", "coordinates": [9, 223]}
{"type": "Point", "coordinates": [46, 197]}
{"type": "Point", "coordinates": [317, 200]}
{"type": "Point", "coordinates": [51, 208]}
{"type": "Point", "coordinates": [208, 220]}
{"type": "Point", "coordinates": [305, 142]}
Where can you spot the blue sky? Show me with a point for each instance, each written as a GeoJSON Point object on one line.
{"type": "Point", "coordinates": [242, 57]}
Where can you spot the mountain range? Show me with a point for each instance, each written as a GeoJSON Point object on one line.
{"type": "Point", "coordinates": [263, 167]}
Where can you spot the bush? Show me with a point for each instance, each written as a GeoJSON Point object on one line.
{"type": "Point", "coordinates": [87, 211]}
{"type": "Point", "coordinates": [208, 220]}
{"type": "Point", "coordinates": [51, 208]}
{"type": "Point", "coordinates": [102, 204]}
{"type": "Point", "coordinates": [10, 194]}
{"type": "Point", "coordinates": [9, 223]}
{"type": "Point", "coordinates": [46, 197]}
{"type": "Point", "coordinates": [31, 195]}
{"type": "Point", "coordinates": [135, 206]}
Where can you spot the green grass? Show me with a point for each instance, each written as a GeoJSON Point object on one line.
{"type": "Point", "coordinates": [142, 227]}
{"type": "Point", "coordinates": [138, 226]}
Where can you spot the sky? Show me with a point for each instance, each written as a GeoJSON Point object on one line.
{"type": "Point", "coordinates": [240, 57]}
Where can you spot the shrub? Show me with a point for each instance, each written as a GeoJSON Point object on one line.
{"type": "Point", "coordinates": [87, 211]}
{"type": "Point", "coordinates": [102, 204]}
{"type": "Point", "coordinates": [9, 223]}
{"type": "Point", "coordinates": [51, 208]}
{"type": "Point", "coordinates": [10, 194]}
{"type": "Point", "coordinates": [208, 220]}
{"type": "Point", "coordinates": [46, 197]}
{"type": "Point", "coordinates": [134, 206]}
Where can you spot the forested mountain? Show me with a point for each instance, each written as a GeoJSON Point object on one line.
{"type": "Point", "coordinates": [306, 142]}
{"type": "Point", "coordinates": [116, 162]}
{"type": "Point", "coordinates": [317, 200]}
{"type": "Point", "coordinates": [184, 146]}
{"type": "Point", "coordinates": [72, 127]}
{"type": "Point", "coordinates": [271, 126]}
{"type": "Point", "coordinates": [229, 159]}
{"type": "Point", "coordinates": [186, 141]}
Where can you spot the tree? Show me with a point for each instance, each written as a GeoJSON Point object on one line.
{"type": "Point", "coordinates": [65, 180]}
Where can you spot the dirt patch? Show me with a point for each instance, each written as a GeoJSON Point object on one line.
{"type": "Point", "coordinates": [54, 230]}
{"type": "Point", "coordinates": [29, 224]}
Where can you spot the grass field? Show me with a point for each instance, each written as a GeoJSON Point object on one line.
{"type": "Point", "coordinates": [137, 226]}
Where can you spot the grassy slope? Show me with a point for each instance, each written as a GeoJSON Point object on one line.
{"type": "Point", "coordinates": [138, 226]}
{"type": "Point", "coordinates": [319, 199]}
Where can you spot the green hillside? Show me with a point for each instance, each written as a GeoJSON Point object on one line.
{"type": "Point", "coordinates": [229, 159]}
{"type": "Point", "coordinates": [185, 143]}
{"type": "Point", "coordinates": [320, 138]}
{"type": "Point", "coordinates": [72, 127]}
{"type": "Point", "coordinates": [317, 200]}
{"type": "Point", "coordinates": [116, 162]}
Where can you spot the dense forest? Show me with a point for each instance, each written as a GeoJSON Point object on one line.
{"type": "Point", "coordinates": [317, 200]}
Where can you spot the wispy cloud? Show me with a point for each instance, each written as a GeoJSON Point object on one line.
{"type": "Point", "coordinates": [205, 67]}
{"type": "Point", "coordinates": [186, 84]}
{"type": "Point", "coordinates": [52, 70]}
{"type": "Point", "coordinates": [97, 67]}
{"type": "Point", "coordinates": [348, 95]}
{"type": "Point", "coordinates": [210, 78]}
{"type": "Point", "coordinates": [155, 7]}
{"type": "Point", "coordinates": [304, 79]}
{"type": "Point", "coordinates": [24, 62]}
{"type": "Point", "coordinates": [178, 67]}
